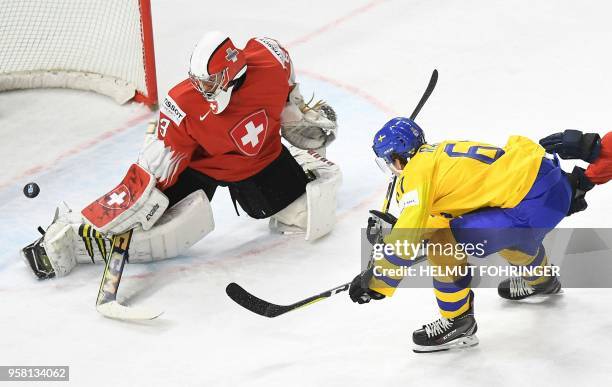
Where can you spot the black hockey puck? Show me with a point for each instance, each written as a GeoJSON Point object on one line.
{"type": "Point", "coordinates": [31, 190]}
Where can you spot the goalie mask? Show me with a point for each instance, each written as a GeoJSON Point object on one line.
{"type": "Point", "coordinates": [214, 68]}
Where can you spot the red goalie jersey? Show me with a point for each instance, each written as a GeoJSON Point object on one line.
{"type": "Point", "coordinates": [240, 141]}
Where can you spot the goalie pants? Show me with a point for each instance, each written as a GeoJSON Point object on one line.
{"type": "Point", "coordinates": [260, 196]}
{"type": "Point", "coordinates": [515, 233]}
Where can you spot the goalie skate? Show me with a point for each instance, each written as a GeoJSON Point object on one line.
{"type": "Point", "coordinates": [36, 257]}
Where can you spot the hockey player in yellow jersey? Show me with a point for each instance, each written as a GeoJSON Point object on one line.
{"type": "Point", "coordinates": [462, 193]}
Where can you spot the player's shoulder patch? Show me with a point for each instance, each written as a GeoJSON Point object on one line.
{"type": "Point", "coordinates": [172, 110]}
{"type": "Point", "coordinates": [409, 199]}
{"type": "Point", "coordinates": [277, 51]}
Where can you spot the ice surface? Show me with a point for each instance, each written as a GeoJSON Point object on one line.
{"type": "Point", "coordinates": [520, 67]}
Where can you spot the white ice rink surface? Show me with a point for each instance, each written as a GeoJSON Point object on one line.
{"type": "Point", "coordinates": [506, 67]}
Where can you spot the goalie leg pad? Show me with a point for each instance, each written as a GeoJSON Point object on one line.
{"type": "Point", "coordinates": [68, 241]}
{"type": "Point", "coordinates": [180, 227]}
{"type": "Point", "coordinates": [319, 204]}
{"type": "Point", "coordinates": [59, 240]}
{"type": "Point", "coordinates": [292, 219]}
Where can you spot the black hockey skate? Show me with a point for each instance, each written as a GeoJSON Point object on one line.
{"type": "Point", "coordinates": [516, 288]}
{"type": "Point", "coordinates": [444, 334]}
{"type": "Point", "coordinates": [35, 255]}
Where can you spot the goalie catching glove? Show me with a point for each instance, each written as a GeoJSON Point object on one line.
{"type": "Point", "coordinates": [306, 126]}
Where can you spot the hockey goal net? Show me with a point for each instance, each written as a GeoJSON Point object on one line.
{"type": "Point", "coordinates": [104, 46]}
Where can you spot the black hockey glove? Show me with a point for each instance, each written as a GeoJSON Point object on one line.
{"type": "Point", "coordinates": [572, 144]}
{"type": "Point", "coordinates": [580, 186]}
{"type": "Point", "coordinates": [377, 223]}
{"type": "Point", "coordinates": [360, 292]}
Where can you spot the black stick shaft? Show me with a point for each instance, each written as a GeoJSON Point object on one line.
{"type": "Point", "coordinates": [430, 88]}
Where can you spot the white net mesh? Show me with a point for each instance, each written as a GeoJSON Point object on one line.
{"type": "Point", "coordinates": [85, 44]}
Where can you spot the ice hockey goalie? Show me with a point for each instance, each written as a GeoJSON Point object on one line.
{"type": "Point", "coordinates": [222, 126]}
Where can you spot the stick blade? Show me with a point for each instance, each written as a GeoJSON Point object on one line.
{"type": "Point", "coordinates": [252, 303]}
{"type": "Point", "coordinates": [117, 311]}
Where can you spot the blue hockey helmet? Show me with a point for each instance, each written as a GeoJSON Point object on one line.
{"type": "Point", "coordinates": [400, 137]}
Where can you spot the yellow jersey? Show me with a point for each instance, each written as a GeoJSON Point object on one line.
{"type": "Point", "coordinates": [452, 178]}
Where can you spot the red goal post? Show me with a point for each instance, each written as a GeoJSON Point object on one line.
{"type": "Point", "coordinates": [104, 46]}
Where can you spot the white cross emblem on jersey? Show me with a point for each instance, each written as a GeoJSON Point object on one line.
{"type": "Point", "coordinates": [231, 55]}
{"type": "Point", "coordinates": [116, 198]}
{"type": "Point", "coordinates": [252, 135]}
{"type": "Point", "coordinates": [249, 134]}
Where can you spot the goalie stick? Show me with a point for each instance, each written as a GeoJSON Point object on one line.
{"type": "Point", "coordinates": [106, 302]}
{"type": "Point", "coordinates": [264, 308]}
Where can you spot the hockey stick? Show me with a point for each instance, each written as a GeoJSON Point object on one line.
{"type": "Point", "coordinates": [264, 308]}
{"type": "Point", "coordinates": [106, 302]}
{"type": "Point", "coordinates": [430, 88]}
{"type": "Point", "coordinates": [267, 309]}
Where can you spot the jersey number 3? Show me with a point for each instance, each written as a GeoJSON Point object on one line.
{"type": "Point", "coordinates": [474, 153]}
{"type": "Point", "coordinates": [163, 127]}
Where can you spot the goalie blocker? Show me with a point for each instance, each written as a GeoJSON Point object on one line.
{"type": "Point", "coordinates": [295, 202]}
{"type": "Point", "coordinates": [133, 204]}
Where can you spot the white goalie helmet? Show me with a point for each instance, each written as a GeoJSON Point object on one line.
{"type": "Point", "coordinates": [214, 67]}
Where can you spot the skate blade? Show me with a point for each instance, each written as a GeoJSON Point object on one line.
{"type": "Point", "coordinates": [458, 343]}
{"type": "Point", "coordinates": [540, 298]}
